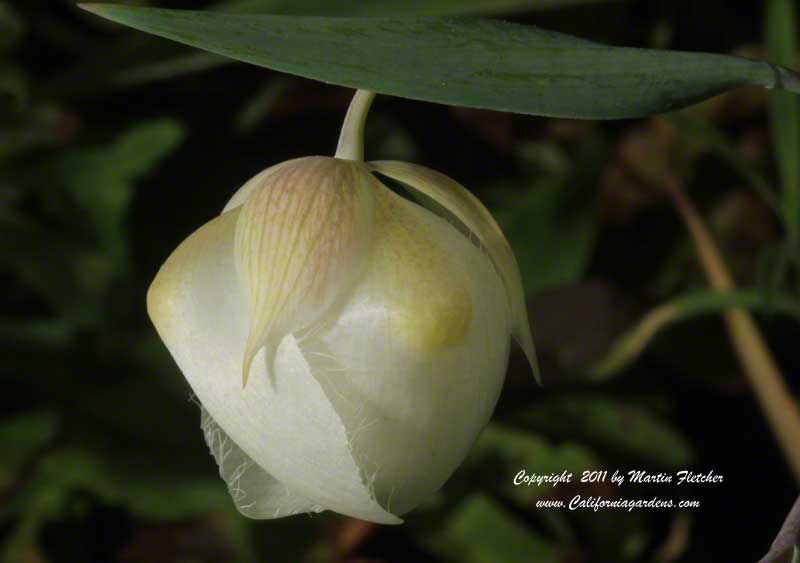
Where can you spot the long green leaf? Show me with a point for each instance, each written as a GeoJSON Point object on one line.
{"type": "Point", "coordinates": [467, 62]}
{"type": "Point", "coordinates": [195, 62]}
{"type": "Point", "coordinates": [395, 7]}
{"type": "Point", "coordinates": [781, 30]}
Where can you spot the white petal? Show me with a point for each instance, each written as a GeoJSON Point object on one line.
{"type": "Point", "coordinates": [285, 423]}
{"type": "Point", "coordinates": [471, 212]}
{"type": "Point", "coordinates": [256, 493]}
{"type": "Point", "coordinates": [301, 242]}
{"type": "Point", "coordinates": [412, 411]}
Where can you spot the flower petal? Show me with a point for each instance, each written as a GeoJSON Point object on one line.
{"type": "Point", "coordinates": [471, 212]}
{"type": "Point", "coordinates": [412, 411]}
{"type": "Point", "coordinates": [301, 242]}
{"type": "Point", "coordinates": [256, 493]}
{"type": "Point", "coordinates": [286, 424]}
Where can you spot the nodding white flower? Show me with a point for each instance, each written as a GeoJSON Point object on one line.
{"type": "Point", "coordinates": [347, 345]}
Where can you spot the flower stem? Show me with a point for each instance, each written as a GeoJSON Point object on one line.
{"type": "Point", "coordinates": [351, 139]}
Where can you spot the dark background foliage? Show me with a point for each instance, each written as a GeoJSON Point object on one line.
{"type": "Point", "coordinates": [114, 146]}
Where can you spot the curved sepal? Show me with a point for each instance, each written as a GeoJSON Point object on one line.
{"type": "Point", "coordinates": [251, 186]}
{"type": "Point", "coordinates": [471, 212]}
{"type": "Point", "coordinates": [301, 242]}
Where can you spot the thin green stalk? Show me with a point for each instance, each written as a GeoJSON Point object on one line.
{"type": "Point", "coordinates": [351, 139]}
{"type": "Point", "coordinates": [628, 347]}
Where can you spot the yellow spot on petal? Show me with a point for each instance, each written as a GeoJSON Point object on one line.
{"type": "Point", "coordinates": [427, 294]}
{"type": "Point", "coordinates": [434, 321]}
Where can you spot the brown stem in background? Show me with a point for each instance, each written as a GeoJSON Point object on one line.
{"type": "Point", "coordinates": [777, 403]}
{"type": "Point", "coordinates": [351, 535]}
{"type": "Point", "coordinates": [677, 541]}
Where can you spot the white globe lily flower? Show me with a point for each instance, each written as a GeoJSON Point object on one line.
{"type": "Point", "coordinates": [347, 345]}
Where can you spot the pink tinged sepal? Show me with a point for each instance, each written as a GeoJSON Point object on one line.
{"type": "Point", "coordinates": [302, 240]}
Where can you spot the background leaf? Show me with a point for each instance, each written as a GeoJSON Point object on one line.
{"type": "Point", "coordinates": [551, 226]}
{"type": "Point", "coordinates": [11, 27]}
{"type": "Point", "coordinates": [481, 531]}
{"type": "Point", "coordinates": [611, 424]}
{"type": "Point", "coordinates": [95, 186]}
{"type": "Point", "coordinates": [628, 346]}
{"type": "Point", "coordinates": [781, 33]}
{"type": "Point", "coordinates": [502, 451]}
{"type": "Point", "coordinates": [28, 433]}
